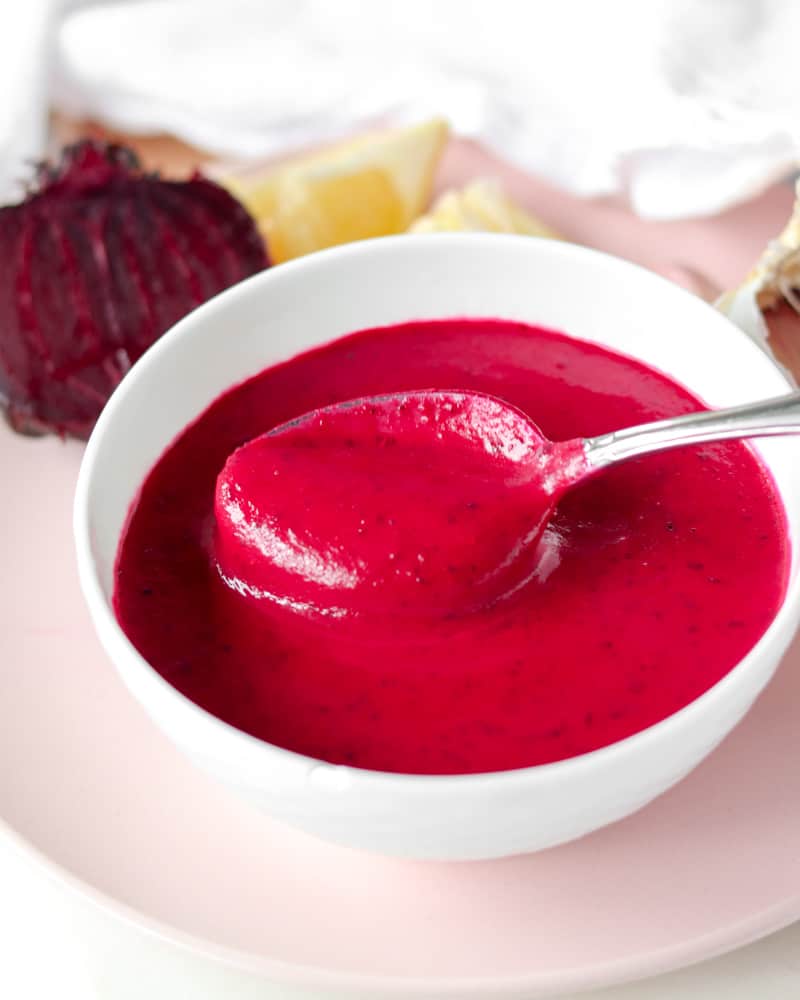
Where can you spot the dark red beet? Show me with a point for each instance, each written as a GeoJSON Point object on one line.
{"type": "Point", "coordinates": [97, 262]}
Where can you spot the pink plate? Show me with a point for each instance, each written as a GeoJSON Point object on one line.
{"type": "Point", "coordinates": [112, 808]}
{"type": "Point", "coordinates": [99, 791]}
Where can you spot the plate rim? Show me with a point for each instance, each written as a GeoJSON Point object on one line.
{"type": "Point", "coordinates": [525, 987]}
{"type": "Point", "coordinates": [380, 985]}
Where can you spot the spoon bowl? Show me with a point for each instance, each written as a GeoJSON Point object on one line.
{"type": "Point", "coordinates": [415, 504]}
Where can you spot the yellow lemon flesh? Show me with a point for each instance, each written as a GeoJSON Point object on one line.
{"type": "Point", "coordinates": [481, 206]}
{"type": "Point", "coordinates": [375, 185]}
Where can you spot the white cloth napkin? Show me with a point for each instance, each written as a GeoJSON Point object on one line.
{"type": "Point", "coordinates": [684, 107]}
{"type": "Point", "coordinates": [24, 48]}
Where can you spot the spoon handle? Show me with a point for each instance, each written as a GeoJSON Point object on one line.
{"type": "Point", "coordinates": [763, 419]}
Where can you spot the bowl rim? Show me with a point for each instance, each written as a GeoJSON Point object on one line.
{"type": "Point", "coordinates": [777, 634]}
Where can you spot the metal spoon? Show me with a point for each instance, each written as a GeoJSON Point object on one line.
{"type": "Point", "coordinates": [767, 418]}
{"type": "Point", "coordinates": [421, 503]}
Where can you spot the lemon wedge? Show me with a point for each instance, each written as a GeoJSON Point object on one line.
{"type": "Point", "coordinates": [375, 185]}
{"type": "Point", "coordinates": [481, 206]}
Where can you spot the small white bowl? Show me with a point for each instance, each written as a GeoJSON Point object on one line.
{"type": "Point", "coordinates": [313, 300]}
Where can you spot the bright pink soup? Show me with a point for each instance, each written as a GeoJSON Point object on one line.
{"type": "Point", "coordinates": [657, 576]}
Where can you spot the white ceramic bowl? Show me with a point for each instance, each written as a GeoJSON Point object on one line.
{"type": "Point", "coordinates": [306, 303]}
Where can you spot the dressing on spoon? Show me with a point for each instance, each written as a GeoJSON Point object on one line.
{"type": "Point", "coordinates": [420, 504]}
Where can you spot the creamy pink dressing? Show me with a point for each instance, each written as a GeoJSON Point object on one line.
{"type": "Point", "coordinates": [649, 583]}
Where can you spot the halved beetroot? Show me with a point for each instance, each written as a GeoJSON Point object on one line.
{"type": "Point", "coordinates": [97, 262]}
